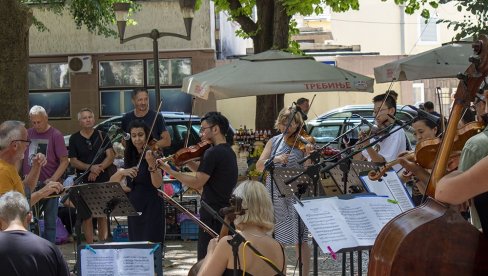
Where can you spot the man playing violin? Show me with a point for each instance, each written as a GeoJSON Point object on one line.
{"type": "Point", "coordinates": [216, 173]}
{"type": "Point", "coordinates": [389, 148]}
{"type": "Point", "coordinates": [140, 100]}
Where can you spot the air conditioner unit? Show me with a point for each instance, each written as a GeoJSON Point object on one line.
{"type": "Point", "coordinates": [80, 64]}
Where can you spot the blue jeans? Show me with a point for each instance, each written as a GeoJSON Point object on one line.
{"type": "Point", "coordinates": [50, 208]}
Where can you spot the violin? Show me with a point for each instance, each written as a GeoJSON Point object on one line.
{"type": "Point", "coordinates": [191, 153]}
{"type": "Point", "coordinates": [426, 151]}
{"type": "Point", "coordinates": [229, 214]}
{"type": "Point", "coordinates": [299, 140]}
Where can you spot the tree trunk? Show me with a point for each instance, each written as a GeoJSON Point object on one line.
{"type": "Point", "coordinates": [270, 36]}
{"type": "Point", "coordinates": [14, 60]}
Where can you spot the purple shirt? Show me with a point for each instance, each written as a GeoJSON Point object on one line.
{"type": "Point", "coordinates": [51, 144]}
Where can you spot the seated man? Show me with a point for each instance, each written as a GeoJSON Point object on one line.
{"type": "Point", "coordinates": [21, 252]}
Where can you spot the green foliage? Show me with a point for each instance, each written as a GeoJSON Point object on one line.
{"type": "Point", "coordinates": [293, 46]}
{"type": "Point", "coordinates": [472, 25]}
{"type": "Point", "coordinates": [97, 15]}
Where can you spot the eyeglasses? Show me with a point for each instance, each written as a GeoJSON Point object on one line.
{"type": "Point", "coordinates": [22, 140]}
{"type": "Point", "coordinates": [202, 129]}
{"type": "Point", "coordinates": [89, 144]}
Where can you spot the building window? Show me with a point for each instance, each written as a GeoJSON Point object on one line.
{"type": "Point", "coordinates": [117, 80]}
{"type": "Point", "coordinates": [428, 31]}
{"type": "Point", "coordinates": [49, 87]}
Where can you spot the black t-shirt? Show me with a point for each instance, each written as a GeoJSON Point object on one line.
{"type": "Point", "coordinates": [85, 150]}
{"type": "Point", "coordinates": [221, 164]}
{"type": "Point", "coordinates": [159, 126]}
{"type": "Point", "coordinates": [23, 253]}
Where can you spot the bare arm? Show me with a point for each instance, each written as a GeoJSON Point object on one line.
{"type": "Point", "coordinates": [266, 154]}
{"type": "Point", "coordinates": [32, 177]}
{"type": "Point", "coordinates": [457, 187]}
{"type": "Point", "coordinates": [195, 182]}
{"type": "Point", "coordinates": [218, 253]}
{"type": "Point", "coordinates": [165, 140]}
{"type": "Point", "coordinates": [63, 164]}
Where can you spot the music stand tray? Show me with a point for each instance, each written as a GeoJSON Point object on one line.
{"type": "Point", "coordinates": [99, 198]}
{"type": "Point", "coordinates": [288, 190]}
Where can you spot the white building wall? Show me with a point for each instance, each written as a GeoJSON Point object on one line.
{"type": "Point", "coordinates": [64, 38]}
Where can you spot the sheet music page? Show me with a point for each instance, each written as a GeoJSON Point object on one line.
{"type": "Point", "coordinates": [346, 223]}
{"type": "Point", "coordinates": [390, 186]}
{"type": "Point", "coordinates": [135, 262]}
{"type": "Point", "coordinates": [100, 263]}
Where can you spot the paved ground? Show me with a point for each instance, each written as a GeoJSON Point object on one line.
{"type": "Point", "coordinates": [181, 255]}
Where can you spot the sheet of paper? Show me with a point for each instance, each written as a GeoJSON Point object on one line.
{"type": "Point", "coordinates": [135, 262]}
{"type": "Point", "coordinates": [97, 264]}
{"type": "Point", "coordinates": [390, 186]}
{"type": "Point", "coordinates": [340, 224]}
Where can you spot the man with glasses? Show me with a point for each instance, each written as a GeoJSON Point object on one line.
{"type": "Point", "coordinates": [140, 100]}
{"type": "Point", "coordinates": [388, 149]}
{"type": "Point", "coordinates": [13, 143]}
{"type": "Point", "coordinates": [84, 146]}
{"type": "Point", "coordinates": [216, 173]}
{"type": "Point", "coordinates": [50, 142]}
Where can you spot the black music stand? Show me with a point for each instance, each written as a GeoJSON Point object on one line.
{"type": "Point", "coordinates": [295, 189]}
{"type": "Point", "coordinates": [102, 200]}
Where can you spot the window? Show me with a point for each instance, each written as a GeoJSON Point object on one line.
{"type": "Point", "coordinates": [428, 30]}
{"type": "Point", "coordinates": [49, 87]}
{"type": "Point", "coordinates": [117, 79]}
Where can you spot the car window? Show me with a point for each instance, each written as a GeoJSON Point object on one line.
{"type": "Point", "coordinates": [325, 133]}
{"type": "Point", "coordinates": [341, 115]}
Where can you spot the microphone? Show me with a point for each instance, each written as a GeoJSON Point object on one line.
{"type": "Point", "coordinates": [114, 132]}
{"type": "Point", "coordinates": [402, 124]}
{"type": "Point", "coordinates": [304, 116]}
{"type": "Point", "coordinates": [426, 115]}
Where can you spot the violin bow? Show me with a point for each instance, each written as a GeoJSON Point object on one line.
{"type": "Point", "coordinates": [149, 137]}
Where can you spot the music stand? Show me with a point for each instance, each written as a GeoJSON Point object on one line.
{"type": "Point", "coordinates": [294, 189]}
{"type": "Point", "coordinates": [102, 200]}
{"type": "Point", "coordinates": [303, 182]}
{"type": "Point", "coordinates": [337, 176]}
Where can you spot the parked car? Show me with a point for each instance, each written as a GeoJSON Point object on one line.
{"type": "Point", "coordinates": [176, 123]}
{"type": "Point", "coordinates": [328, 126]}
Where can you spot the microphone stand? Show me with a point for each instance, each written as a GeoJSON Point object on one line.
{"type": "Point", "coordinates": [236, 241]}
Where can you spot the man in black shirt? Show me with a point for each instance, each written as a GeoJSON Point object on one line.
{"type": "Point", "coordinates": [21, 252]}
{"type": "Point", "coordinates": [83, 148]}
{"type": "Point", "coordinates": [140, 100]}
{"type": "Point", "coordinates": [216, 174]}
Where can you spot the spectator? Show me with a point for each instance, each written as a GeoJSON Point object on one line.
{"type": "Point", "coordinates": [50, 142]}
{"type": "Point", "coordinates": [429, 107]}
{"type": "Point", "coordinates": [21, 252]}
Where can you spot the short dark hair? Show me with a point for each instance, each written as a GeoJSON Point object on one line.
{"type": "Point", "coordinates": [216, 118]}
{"type": "Point", "coordinates": [429, 105]}
{"type": "Point", "coordinates": [389, 100]}
{"type": "Point", "coordinates": [392, 93]}
{"type": "Point", "coordinates": [302, 100]}
{"type": "Point", "coordinates": [137, 90]}
{"type": "Point", "coordinates": [428, 122]}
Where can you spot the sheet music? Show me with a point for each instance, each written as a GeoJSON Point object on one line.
{"type": "Point", "coordinates": [390, 186]}
{"type": "Point", "coordinates": [346, 223]}
{"type": "Point", "coordinates": [117, 262]}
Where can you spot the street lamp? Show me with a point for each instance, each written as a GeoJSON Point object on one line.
{"type": "Point", "coordinates": [121, 13]}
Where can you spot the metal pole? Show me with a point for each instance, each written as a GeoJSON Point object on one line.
{"type": "Point", "coordinates": [155, 36]}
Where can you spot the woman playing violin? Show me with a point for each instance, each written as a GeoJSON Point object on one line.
{"type": "Point", "coordinates": [424, 129]}
{"type": "Point", "coordinates": [286, 155]}
{"type": "Point", "coordinates": [255, 225]}
{"type": "Point", "coordinates": [142, 185]}
{"type": "Point", "coordinates": [216, 173]}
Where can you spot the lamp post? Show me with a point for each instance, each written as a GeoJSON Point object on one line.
{"type": "Point", "coordinates": [121, 13]}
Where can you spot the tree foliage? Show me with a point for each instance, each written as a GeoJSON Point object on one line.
{"type": "Point", "coordinates": [472, 25]}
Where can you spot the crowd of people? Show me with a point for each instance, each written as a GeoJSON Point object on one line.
{"type": "Point", "coordinates": [33, 163]}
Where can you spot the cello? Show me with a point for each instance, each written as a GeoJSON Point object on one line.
{"type": "Point", "coordinates": [433, 239]}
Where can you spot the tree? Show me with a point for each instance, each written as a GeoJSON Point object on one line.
{"type": "Point", "coordinates": [17, 16]}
